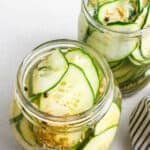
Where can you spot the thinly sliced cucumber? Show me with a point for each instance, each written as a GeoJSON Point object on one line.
{"type": "Point", "coordinates": [123, 71]}
{"type": "Point", "coordinates": [138, 75]}
{"type": "Point", "coordinates": [26, 132]}
{"type": "Point", "coordinates": [49, 72]}
{"type": "Point", "coordinates": [119, 65]}
{"type": "Point", "coordinates": [147, 20]}
{"type": "Point", "coordinates": [134, 61]}
{"type": "Point", "coordinates": [85, 62]}
{"type": "Point", "coordinates": [123, 26]}
{"type": "Point", "coordinates": [133, 78]}
{"type": "Point", "coordinates": [102, 141]}
{"type": "Point", "coordinates": [110, 119]}
{"type": "Point", "coordinates": [114, 64]}
{"type": "Point", "coordinates": [140, 20]}
{"type": "Point", "coordinates": [145, 44]}
{"type": "Point", "coordinates": [141, 4]}
{"type": "Point", "coordinates": [137, 58]}
{"type": "Point", "coordinates": [131, 73]}
{"type": "Point", "coordinates": [137, 54]}
{"type": "Point", "coordinates": [72, 95]}
{"type": "Point", "coordinates": [113, 48]}
{"type": "Point", "coordinates": [114, 11]}
{"type": "Point", "coordinates": [85, 138]}
{"type": "Point", "coordinates": [127, 76]}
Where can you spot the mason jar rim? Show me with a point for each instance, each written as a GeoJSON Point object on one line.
{"type": "Point", "coordinates": [104, 28]}
{"type": "Point", "coordinates": [96, 111]}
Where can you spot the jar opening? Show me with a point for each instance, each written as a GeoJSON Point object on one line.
{"type": "Point", "coordinates": [103, 28]}
{"type": "Point", "coordinates": [95, 112]}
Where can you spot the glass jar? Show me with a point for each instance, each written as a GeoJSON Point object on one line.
{"type": "Point", "coordinates": [35, 130]}
{"type": "Point", "coordinates": [119, 48]}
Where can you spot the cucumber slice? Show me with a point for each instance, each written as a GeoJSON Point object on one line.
{"type": "Point", "coordinates": [49, 72]}
{"type": "Point", "coordinates": [114, 64]}
{"type": "Point", "coordinates": [102, 141]}
{"type": "Point", "coordinates": [123, 26]}
{"type": "Point", "coordinates": [145, 44]}
{"type": "Point", "coordinates": [114, 11]}
{"type": "Point", "coordinates": [71, 96]}
{"type": "Point", "coordinates": [134, 61]}
{"type": "Point", "coordinates": [137, 54]}
{"type": "Point", "coordinates": [141, 4]}
{"type": "Point", "coordinates": [26, 132]}
{"type": "Point", "coordinates": [124, 70]}
{"type": "Point", "coordinates": [140, 20]}
{"type": "Point", "coordinates": [119, 65]}
{"type": "Point", "coordinates": [110, 119]}
{"type": "Point", "coordinates": [137, 58]}
{"type": "Point", "coordinates": [85, 62]}
{"type": "Point", "coordinates": [124, 78]}
{"type": "Point", "coordinates": [147, 20]}
{"type": "Point", "coordinates": [113, 48]}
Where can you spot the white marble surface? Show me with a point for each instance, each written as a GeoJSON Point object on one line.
{"type": "Point", "coordinates": [23, 25]}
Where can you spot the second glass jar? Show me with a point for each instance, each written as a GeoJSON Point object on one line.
{"type": "Point", "coordinates": [130, 73]}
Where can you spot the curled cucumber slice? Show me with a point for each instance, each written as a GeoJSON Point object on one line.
{"type": "Point", "coordinates": [123, 26]}
{"type": "Point", "coordinates": [134, 61]}
{"type": "Point", "coordinates": [137, 58]}
{"type": "Point", "coordinates": [140, 20]}
{"type": "Point", "coordinates": [85, 62]}
{"type": "Point", "coordinates": [123, 70]}
{"type": "Point", "coordinates": [102, 141]}
{"type": "Point", "coordinates": [110, 119]}
{"type": "Point", "coordinates": [72, 95]}
{"type": "Point", "coordinates": [25, 131]}
{"type": "Point", "coordinates": [141, 4]}
{"type": "Point", "coordinates": [114, 11]}
{"type": "Point", "coordinates": [106, 43]}
{"type": "Point", "coordinates": [137, 54]}
{"type": "Point", "coordinates": [141, 54]}
{"type": "Point", "coordinates": [49, 72]}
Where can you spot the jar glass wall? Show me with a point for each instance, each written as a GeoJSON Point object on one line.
{"type": "Point", "coordinates": [121, 49]}
{"type": "Point", "coordinates": [96, 128]}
